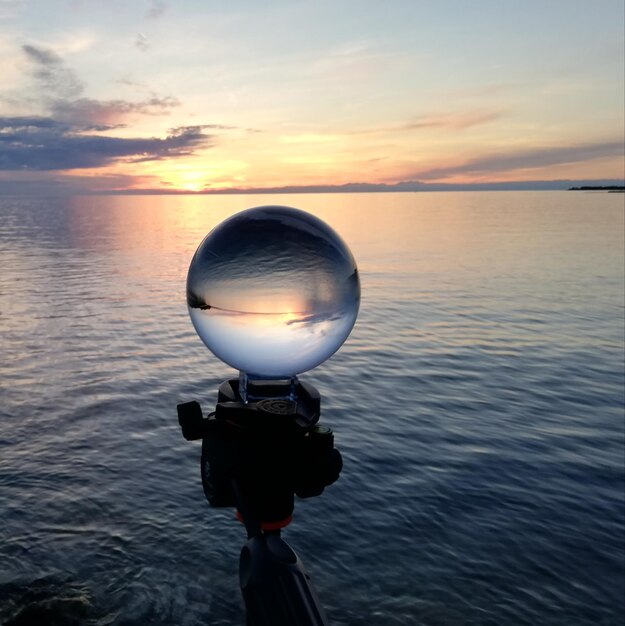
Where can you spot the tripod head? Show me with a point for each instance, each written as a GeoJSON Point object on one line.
{"type": "Point", "coordinates": [258, 455]}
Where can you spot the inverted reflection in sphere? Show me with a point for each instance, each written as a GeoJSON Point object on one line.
{"type": "Point", "coordinates": [273, 291]}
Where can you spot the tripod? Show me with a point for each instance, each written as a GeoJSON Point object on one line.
{"type": "Point", "coordinates": [256, 456]}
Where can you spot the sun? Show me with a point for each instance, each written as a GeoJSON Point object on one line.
{"type": "Point", "coordinates": [191, 187]}
{"type": "Point", "coordinates": [181, 177]}
{"type": "Point", "coordinates": [189, 180]}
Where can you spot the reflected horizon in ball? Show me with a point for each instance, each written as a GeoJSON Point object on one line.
{"type": "Point", "coordinates": [273, 291]}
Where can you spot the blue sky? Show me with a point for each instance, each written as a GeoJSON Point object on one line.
{"type": "Point", "coordinates": [111, 95]}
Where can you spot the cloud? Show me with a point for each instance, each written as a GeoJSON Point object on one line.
{"type": "Point", "coordinates": [156, 10]}
{"type": "Point", "coordinates": [50, 71]}
{"type": "Point", "coordinates": [525, 159]}
{"type": "Point", "coordinates": [66, 138]}
{"type": "Point", "coordinates": [42, 57]}
{"type": "Point", "coordinates": [454, 121]}
{"type": "Point", "coordinates": [111, 112]}
{"type": "Point", "coordinates": [61, 93]}
{"type": "Point", "coordinates": [450, 120]}
{"type": "Point", "coordinates": [142, 42]}
{"type": "Point", "coordinates": [33, 143]}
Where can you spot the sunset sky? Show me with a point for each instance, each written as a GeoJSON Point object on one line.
{"type": "Point", "coordinates": [103, 95]}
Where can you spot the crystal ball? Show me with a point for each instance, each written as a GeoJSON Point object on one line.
{"type": "Point", "coordinates": [273, 291]}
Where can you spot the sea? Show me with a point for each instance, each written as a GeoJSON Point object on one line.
{"type": "Point", "coordinates": [478, 405]}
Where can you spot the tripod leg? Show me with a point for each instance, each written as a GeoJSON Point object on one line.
{"type": "Point", "coordinates": [275, 586]}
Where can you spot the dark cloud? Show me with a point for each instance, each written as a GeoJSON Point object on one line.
{"type": "Point", "coordinates": [525, 159]}
{"type": "Point", "coordinates": [26, 122]}
{"type": "Point", "coordinates": [28, 143]}
{"type": "Point", "coordinates": [66, 139]}
{"type": "Point", "coordinates": [69, 138]}
{"type": "Point", "coordinates": [54, 183]}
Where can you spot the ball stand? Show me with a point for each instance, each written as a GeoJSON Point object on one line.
{"type": "Point", "coordinates": [256, 456]}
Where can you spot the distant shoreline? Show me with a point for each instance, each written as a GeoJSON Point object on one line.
{"type": "Point", "coordinates": [609, 188]}
{"type": "Point", "coordinates": [405, 187]}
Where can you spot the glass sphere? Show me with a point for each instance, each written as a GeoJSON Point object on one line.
{"type": "Point", "coordinates": [273, 291]}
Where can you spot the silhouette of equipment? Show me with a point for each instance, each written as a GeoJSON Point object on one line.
{"type": "Point", "coordinates": [256, 456]}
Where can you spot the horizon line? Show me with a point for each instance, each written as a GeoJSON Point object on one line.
{"type": "Point", "coordinates": [403, 186]}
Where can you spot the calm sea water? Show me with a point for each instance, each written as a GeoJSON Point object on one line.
{"type": "Point", "coordinates": [478, 405]}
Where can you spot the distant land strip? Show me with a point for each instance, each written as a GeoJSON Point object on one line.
{"type": "Point", "coordinates": [617, 188]}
